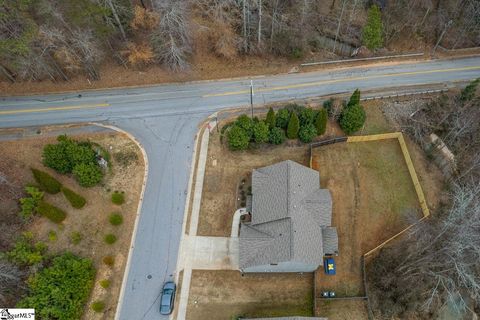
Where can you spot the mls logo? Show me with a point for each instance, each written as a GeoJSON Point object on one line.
{"type": "Point", "coordinates": [4, 314]}
{"type": "Point", "coordinates": [17, 314]}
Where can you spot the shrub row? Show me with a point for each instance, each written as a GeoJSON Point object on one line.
{"type": "Point", "coordinates": [76, 200]}
{"type": "Point", "coordinates": [46, 182]}
{"type": "Point", "coordinates": [292, 122]}
{"type": "Point", "coordinates": [53, 213]}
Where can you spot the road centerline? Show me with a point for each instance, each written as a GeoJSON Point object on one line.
{"type": "Point", "coordinates": [316, 83]}
{"type": "Point", "coordinates": [33, 110]}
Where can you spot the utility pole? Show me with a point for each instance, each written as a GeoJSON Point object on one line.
{"type": "Point", "coordinates": [251, 96]}
{"type": "Point", "coordinates": [445, 28]}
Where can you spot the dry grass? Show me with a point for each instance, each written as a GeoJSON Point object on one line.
{"type": "Point", "coordinates": [223, 295]}
{"type": "Point", "coordinates": [372, 196]}
{"type": "Point", "coordinates": [92, 220]}
{"type": "Point", "coordinates": [343, 309]}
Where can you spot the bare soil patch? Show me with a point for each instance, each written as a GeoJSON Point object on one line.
{"type": "Point", "coordinates": [220, 295]}
{"type": "Point", "coordinates": [91, 222]}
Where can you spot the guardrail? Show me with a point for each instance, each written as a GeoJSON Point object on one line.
{"type": "Point", "coordinates": [404, 94]}
{"type": "Point", "coordinates": [363, 59]}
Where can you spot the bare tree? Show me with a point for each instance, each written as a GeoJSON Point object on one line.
{"type": "Point", "coordinates": [171, 40]}
{"type": "Point", "coordinates": [10, 277]}
{"type": "Point", "coordinates": [438, 263]}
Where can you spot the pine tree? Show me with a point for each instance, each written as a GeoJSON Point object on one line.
{"type": "Point", "coordinates": [270, 118]}
{"type": "Point", "coordinates": [354, 99]}
{"type": "Point", "coordinates": [321, 121]}
{"type": "Point", "coordinates": [293, 126]}
{"type": "Point", "coordinates": [372, 34]}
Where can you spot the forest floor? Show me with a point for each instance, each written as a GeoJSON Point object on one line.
{"type": "Point", "coordinates": [91, 222]}
{"type": "Point", "coordinates": [204, 66]}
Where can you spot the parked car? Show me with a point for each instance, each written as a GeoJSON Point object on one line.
{"type": "Point", "coordinates": [168, 298]}
{"type": "Point", "coordinates": [329, 266]}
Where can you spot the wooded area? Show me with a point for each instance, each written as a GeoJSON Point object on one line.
{"type": "Point", "coordinates": [436, 266]}
{"type": "Point", "coordinates": [57, 40]}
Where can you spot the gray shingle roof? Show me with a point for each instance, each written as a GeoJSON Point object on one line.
{"type": "Point", "coordinates": [289, 213]}
{"type": "Point", "coordinates": [330, 240]}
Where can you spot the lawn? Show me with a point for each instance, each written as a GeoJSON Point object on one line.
{"type": "Point", "coordinates": [373, 199]}
{"type": "Point", "coordinates": [221, 295]}
{"type": "Point", "coordinates": [83, 231]}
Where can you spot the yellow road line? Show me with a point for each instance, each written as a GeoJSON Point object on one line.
{"type": "Point", "coordinates": [317, 83]}
{"type": "Point", "coordinates": [85, 106]}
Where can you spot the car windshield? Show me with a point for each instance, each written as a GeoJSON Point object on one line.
{"type": "Point", "coordinates": [167, 291]}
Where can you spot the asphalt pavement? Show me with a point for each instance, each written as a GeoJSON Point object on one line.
{"type": "Point", "coordinates": [165, 119]}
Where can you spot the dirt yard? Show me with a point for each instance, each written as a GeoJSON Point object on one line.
{"type": "Point", "coordinates": [223, 295]}
{"type": "Point", "coordinates": [90, 222]}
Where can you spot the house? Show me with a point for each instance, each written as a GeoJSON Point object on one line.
{"type": "Point", "coordinates": [290, 226]}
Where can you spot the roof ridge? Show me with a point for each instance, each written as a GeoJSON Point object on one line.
{"type": "Point", "coordinates": [258, 231]}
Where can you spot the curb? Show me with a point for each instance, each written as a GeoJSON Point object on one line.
{"type": "Point", "coordinates": [139, 209]}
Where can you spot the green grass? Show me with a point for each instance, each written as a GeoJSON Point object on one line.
{"type": "Point", "coordinates": [76, 200]}
{"type": "Point", "coordinates": [53, 213]}
{"type": "Point", "coordinates": [392, 190]}
{"type": "Point", "coordinates": [46, 182]}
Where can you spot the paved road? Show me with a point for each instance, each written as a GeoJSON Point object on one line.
{"type": "Point", "coordinates": [165, 118]}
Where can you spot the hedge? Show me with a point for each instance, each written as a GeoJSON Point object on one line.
{"type": "Point", "coordinates": [51, 212]}
{"type": "Point", "coordinates": [47, 182]}
{"type": "Point", "coordinates": [238, 138]}
{"type": "Point", "coordinates": [76, 200]}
